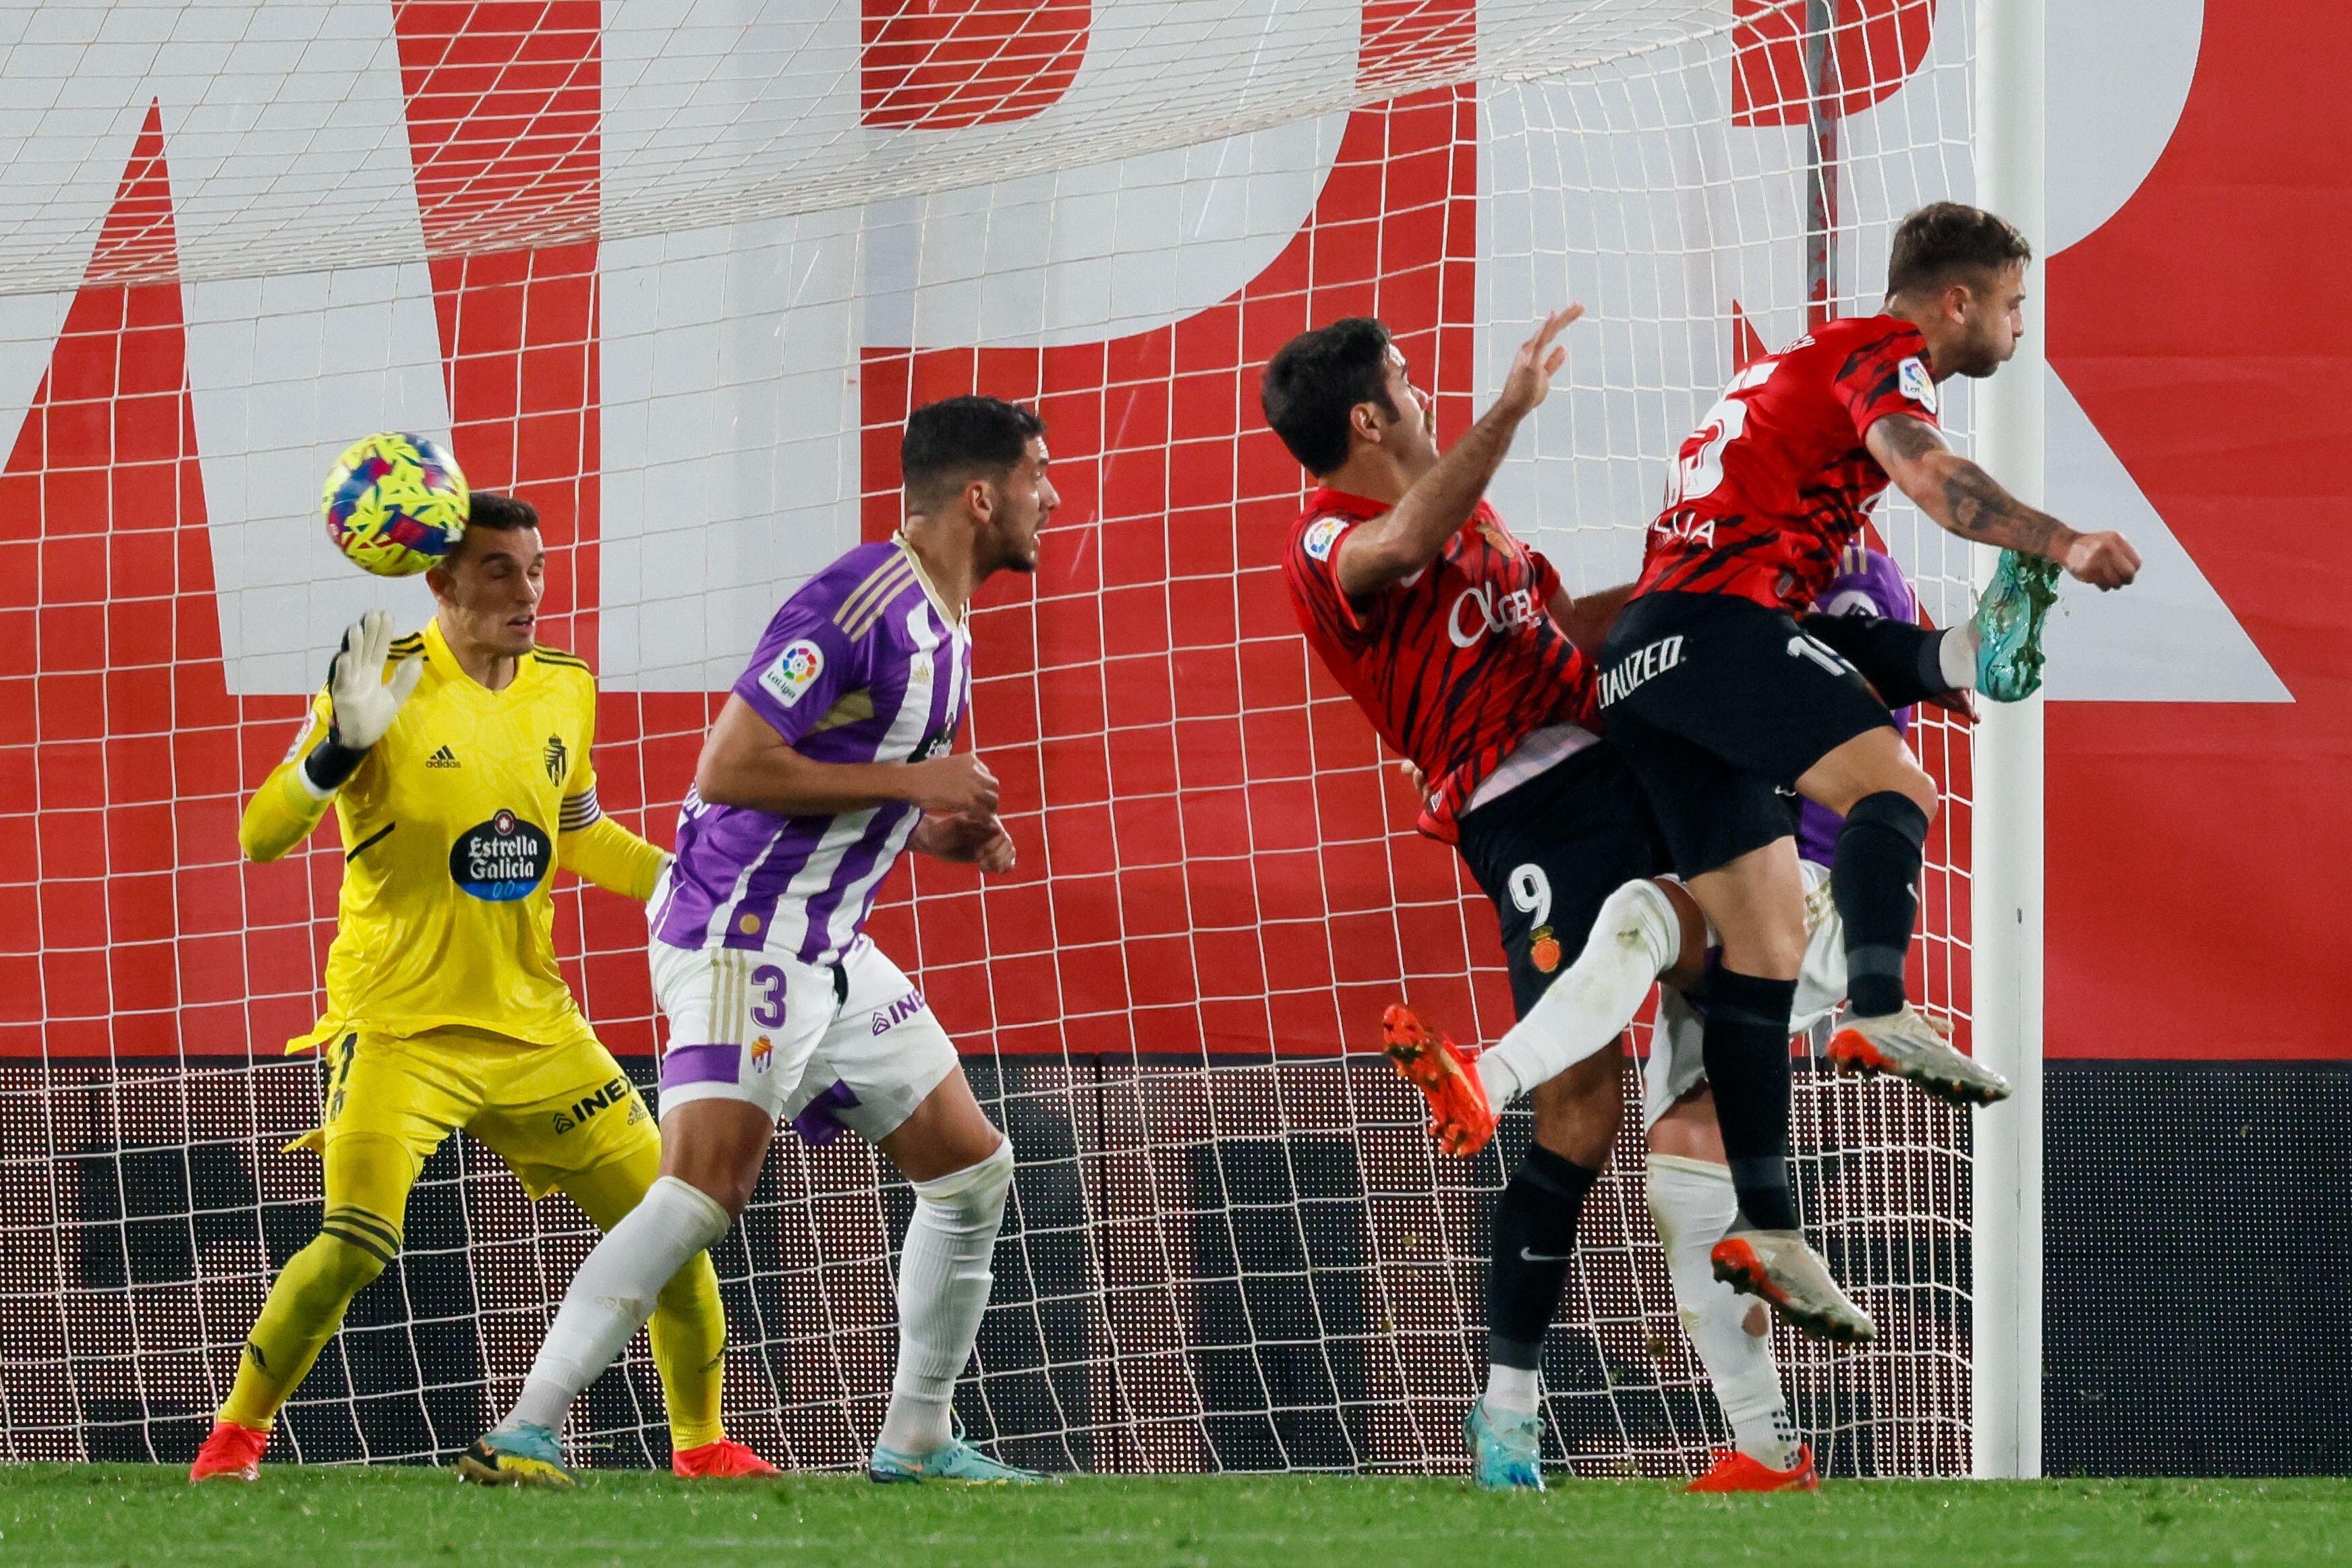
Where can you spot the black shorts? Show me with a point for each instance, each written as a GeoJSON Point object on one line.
{"type": "Point", "coordinates": [1551, 851]}
{"type": "Point", "coordinates": [1719, 705]}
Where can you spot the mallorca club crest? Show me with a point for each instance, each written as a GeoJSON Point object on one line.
{"type": "Point", "coordinates": [1543, 949]}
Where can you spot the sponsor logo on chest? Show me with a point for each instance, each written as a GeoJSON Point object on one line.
{"type": "Point", "coordinates": [1480, 609]}
{"type": "Point", "coordinates": [501, 859]}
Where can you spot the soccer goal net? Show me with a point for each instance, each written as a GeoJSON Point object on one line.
{"type": "Point", "coordinates": [675, 272]}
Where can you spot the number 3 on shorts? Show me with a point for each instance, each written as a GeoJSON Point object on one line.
{"type": "Point", "coordinates": [1531, 892]}
{"type": "Point", "coordinates": [768, 982]}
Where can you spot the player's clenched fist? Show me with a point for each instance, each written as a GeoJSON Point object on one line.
{"type": "Point", "coordinates": [366, 702]}
{"type": "Point", "coordinates": [1534, 365]}
{"type": "Point", "coordinates": [2102, 560]}
{"type": "Point", "coordinates": [958, 786]}
{"type": "Point", "coordinates": [966, 840]}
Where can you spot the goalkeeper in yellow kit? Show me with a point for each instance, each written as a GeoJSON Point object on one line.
{"type": "Point", "coordinates": [457, 760]}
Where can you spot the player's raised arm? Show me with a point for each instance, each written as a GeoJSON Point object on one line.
{"type": "Point", "coordinates": [1968, 501]}
{"type": "Point", "coordinates": [746, 763]}
{"type": "Point", "coordinates": [1407, 537]}
{"type": "Point", "coordinates": [358, 707]}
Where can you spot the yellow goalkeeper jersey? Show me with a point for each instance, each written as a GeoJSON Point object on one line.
{"type": "Point", "coordinates": [453, 828]}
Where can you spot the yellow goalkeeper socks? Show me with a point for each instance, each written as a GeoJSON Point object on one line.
{"type": "Point", "coordinates": [689, 1338]}
{"type": "Point", "coordinates": [688, 1329]}
{"type": "Point", "coordinates": [305, 1307]}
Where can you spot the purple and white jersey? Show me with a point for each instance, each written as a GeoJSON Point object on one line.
{"type": "Point", "coordinates": [862, 665]}
{"type": "Point", "coordinates": [1867, 583]}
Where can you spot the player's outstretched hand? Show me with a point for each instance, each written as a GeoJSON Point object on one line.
{"type": "Point", "coordinates": [2102, 560]}
{"type": "Point", "coordinates": [365, 701]}
{"type": "Point", "coordinates": [957, 786]}
{"type": "Point", "coordinates": [965, 841]}
{"type": "Point", "coordinates": [1533, 366]}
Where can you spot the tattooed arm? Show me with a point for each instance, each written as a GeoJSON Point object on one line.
{"type": "Point", "coordinates": [1969, 502]}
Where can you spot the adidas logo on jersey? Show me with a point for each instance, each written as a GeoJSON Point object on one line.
{"type": "Point", "coordinates": [444, 758]}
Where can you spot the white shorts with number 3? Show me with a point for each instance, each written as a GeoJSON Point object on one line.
{"type": "Point", "coordinates": [767, 1030]}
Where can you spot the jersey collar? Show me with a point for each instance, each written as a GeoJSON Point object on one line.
{"type": "Point", "coordinates": [444, 663]}
{"type": "Point", "coordinates": [1326, 499]}
{"type": "Point", "coordinates": [955, 618]}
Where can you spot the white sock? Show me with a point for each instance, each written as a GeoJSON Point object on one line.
{"type": "Point", "coordinates": [944, 1276]}
{"type": "Point", "coordinates": [1636, 938]}
{"type": "Point", "coordinates": [1693, 1203]}
{"type": "Point", "coordinates": [1514, 1390]}
{"type": "Point", "coordinates": [1956, 656]}
{"type": "Point", "coordinates": [614, 1292]}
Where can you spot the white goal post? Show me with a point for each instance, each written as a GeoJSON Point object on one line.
{"type": "Point", "coordinates": [2006, 1399]}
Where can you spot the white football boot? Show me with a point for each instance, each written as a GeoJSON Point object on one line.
{"type": "Point", "coordinates": [1918, 1050]}
{"type": "Point", "coordinates": [1790, 1276]}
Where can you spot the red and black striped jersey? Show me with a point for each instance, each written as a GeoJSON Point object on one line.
{"type": "Point", "coordinates": [1774, 482]}
{"type": "Point", "coordinates": [1455, 665]}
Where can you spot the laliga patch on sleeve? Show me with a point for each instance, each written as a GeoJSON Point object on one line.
{"type": "Point", "coordinates": [793, 672]}
{"type": "Point", "coordinates": [1323, 535]}
{"type": "Point", "coordinates": [1916, 384]}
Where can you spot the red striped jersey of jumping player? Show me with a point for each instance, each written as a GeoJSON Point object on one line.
{"type": "Point", "coordinates": [1456, 664]}
{"type": "Point", "coordinates": [1775, 482]}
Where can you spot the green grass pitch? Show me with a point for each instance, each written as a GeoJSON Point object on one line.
{"type": "Point", "coordinates": [132, 1516]}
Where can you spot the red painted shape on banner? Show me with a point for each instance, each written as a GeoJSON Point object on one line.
{"type": "Point", "coordinates": [1875, 46]}
{"type": "Point", "coordinates": [939, 64]}
{"type": "Point", "coordinates": [504, 104]}
{"type": "Point", "coordinates": [504, 101]}
{"type": "Point", "coordinates": [2197, 889]}
{"type": "Point", "coordinates": [1222, 863]}
{"type": "Point", "coordinates": [130, 929]}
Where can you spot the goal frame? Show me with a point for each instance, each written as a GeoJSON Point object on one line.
{"type": "Point", "coordinates": [2007, 827]}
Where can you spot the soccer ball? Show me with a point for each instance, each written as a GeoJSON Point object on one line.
{"type": "Point", "coordinates": [395, 504]}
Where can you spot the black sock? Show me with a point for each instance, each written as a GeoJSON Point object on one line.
{"type": "Point", "coordinates": [1535, 1233]}
{"type": "Point", "coordinates": [1746, 1046]}
{"type": "Point", "coordinates": [1872, 880]}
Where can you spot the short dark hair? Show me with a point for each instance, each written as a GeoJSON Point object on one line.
{"type": "Point", "coordinates": [956, 440]}
{"type": "Point", "coordinates": [490, 509]}
{"type": "Point", "coordinates": [1945, 239]}
{"type": "Point", "coordinates": [1316, 378]}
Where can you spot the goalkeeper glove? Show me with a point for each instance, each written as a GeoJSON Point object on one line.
{"type": "Point", "coordinates": [363, 702]}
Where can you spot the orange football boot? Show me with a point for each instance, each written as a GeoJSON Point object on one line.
{"type": "Point", "coordinates": [1459, 1117]}
{"type": "Point", "coordinates": [231, 1453]}
{"type": "Point", "coordinates": [724, 1460]}
{"type": "Point", "coordinates": [1735, 1471]}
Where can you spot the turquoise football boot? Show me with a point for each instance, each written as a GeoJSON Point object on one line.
{"type": "Point", "coordinates": [957, 1461]}
{"type": "Point", "coordinates": [1505, 1452]}
{"type": "Point", "coordinates": [515, 1454]}
{"type": "Point", "coordinates": [2008, 626]}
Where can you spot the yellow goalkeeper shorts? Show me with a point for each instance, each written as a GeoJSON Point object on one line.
{"type": "Point", "coordinates": [550, 1111]}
